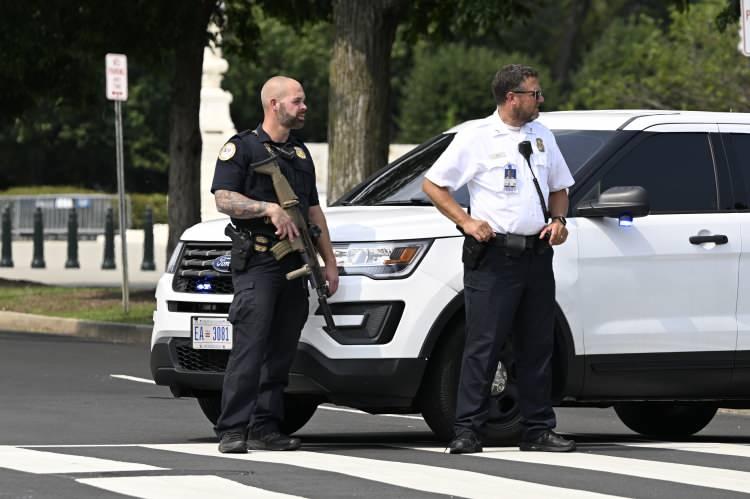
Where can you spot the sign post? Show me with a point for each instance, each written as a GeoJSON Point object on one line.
{"type": "Point", "coordinates": [117, 91]}
{"type": "Point", "coordinates": [745, 27]}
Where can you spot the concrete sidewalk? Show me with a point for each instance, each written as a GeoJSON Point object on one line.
{"type": "Point", "coordinates": [90, 257]}
{"type": "Point", "coordinates": [90, 274]}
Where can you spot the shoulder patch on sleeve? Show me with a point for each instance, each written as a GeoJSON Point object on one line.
{"type": "Point", "coordinates": [227, 152]}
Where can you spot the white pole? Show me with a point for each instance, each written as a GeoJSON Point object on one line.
{"type": "Point", "coordinates": [121, 192]}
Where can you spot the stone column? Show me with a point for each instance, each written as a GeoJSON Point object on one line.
{"type": "Point", "coordinates": [215, 123]}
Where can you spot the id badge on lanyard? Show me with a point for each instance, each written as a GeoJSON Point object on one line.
{"type": "Point", "coordinates": [510, 180]}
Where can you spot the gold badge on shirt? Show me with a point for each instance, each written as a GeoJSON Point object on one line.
{"type": "Point", "coordinates": [227, 152]}
{"type": "Point", "coordinates": [300, 152]}
{"type": "Point", "coordinates": [540, 145]}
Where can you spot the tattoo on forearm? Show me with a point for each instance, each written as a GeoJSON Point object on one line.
{"type": "Point", "coordinates": [236, 205]}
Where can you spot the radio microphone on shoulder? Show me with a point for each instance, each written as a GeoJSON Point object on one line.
{"type": "Point", "coordinates": [525, 149]}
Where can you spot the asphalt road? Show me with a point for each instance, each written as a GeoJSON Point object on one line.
{"type": "Point", "coordinates": [69, 427]}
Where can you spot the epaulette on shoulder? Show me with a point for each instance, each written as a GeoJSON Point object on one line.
{"type": "Point", "coordinates": [246, 132]}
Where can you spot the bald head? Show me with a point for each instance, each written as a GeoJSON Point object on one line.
{"type": "Point", "coordinates": [284, 106]}
{"type": "Point", "coordinates": [276, 88]}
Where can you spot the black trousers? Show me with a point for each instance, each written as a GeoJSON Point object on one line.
{"type": "Point", "coordinates": [507, 294]}
{"type": "Point", "coordinates": [267, 315]}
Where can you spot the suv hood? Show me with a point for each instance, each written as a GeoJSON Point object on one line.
{"type": "Point", "coordinates": [358, 224]}
{"type": "Point", "coordinates": [383, 223]}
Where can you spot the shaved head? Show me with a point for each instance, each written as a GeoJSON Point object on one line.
{"type": "Point", "coordinates": [277, 88]}
{"type": "Point", "coordinates": [283, 100]}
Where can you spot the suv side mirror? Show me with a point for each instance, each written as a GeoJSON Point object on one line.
{"type": "Point", "coordinates": [617, 201]}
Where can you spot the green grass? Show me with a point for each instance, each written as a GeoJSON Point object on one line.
{"type": "Point", "coordinates": [96, 304]}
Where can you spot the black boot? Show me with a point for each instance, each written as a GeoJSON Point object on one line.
{"type": "Point", "coordinates": [233, 442]}
{"type": "Point", "coordinates": [549, 441]}
{"type": "Point", "coordinates": [273, 441]}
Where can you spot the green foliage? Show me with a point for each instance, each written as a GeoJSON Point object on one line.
{"type": "Point", "coordinates": [95, 304]}
{"type": "Point", "coordinates": [302, 53]}
{"type": "Point", "coordinates": [30, 190]}
{"type": "Point", "coordinates": [687, 65]}
{"type": "Point", "coordinates": [452, 84]}
{"type": "Point", "coordinates": [138, 204]}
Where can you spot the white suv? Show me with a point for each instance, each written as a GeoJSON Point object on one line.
{"type": "Point", "coordinates": [653, 288]}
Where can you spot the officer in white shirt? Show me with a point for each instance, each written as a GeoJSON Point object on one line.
{"type": "Point", "coordinates": [517, 181]}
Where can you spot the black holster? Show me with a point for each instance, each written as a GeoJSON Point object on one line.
{"type": "Point", "coordinates": [473, 252]}
{"type": "Point", "coordinates": [242, 247]}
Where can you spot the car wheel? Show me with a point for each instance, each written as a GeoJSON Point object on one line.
{"type": "Point", "coordinates": [210, 404]}
{"type": "Point", "coordinates": [438, 392]}
{"type": "Point", "coordinates": [657, 419]}
{"type": "Point", "coordinates": [298, 410]}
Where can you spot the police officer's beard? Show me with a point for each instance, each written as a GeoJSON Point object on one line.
{"type": "Point", "coordinates": [526, 116]}
{"type": "Point", "coordinates": [289, 120]}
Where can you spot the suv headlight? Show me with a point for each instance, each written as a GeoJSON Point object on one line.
{"type": "Point", "coordinates": [380, 260]}
{"type": "Point", "coordinates": [174, 259]}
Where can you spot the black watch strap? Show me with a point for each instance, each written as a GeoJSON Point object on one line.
{"type": "Point", "coordinates": [561, 219]}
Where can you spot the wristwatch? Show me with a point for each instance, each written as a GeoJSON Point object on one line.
{"type": "Point", "coordinates": [561, 219]}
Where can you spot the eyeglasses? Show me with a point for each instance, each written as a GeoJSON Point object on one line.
{"type": "Point", "coordinates": [536, 93]}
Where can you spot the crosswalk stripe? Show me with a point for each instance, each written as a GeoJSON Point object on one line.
{"type": "Point", "coordinates": [181, 487]}
{"type": "Point", "coordinates": [701, 476]}
{"type": "Point", "coordinates": [408, 475]}
{"type": "Point", "coordinates": [722, 449]}
{"type": "Point", "coordinates": [40, 462]}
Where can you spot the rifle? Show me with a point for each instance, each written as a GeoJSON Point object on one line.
{"type": "Point", "coordinates": [304, 244]}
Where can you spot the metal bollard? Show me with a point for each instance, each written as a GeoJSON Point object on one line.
{"type": "Point", "coordinates": [7, 258]}
{"type": "Point", "coordinates": [72, 262]}
{"type": "Point", "coordinates": [38, 261]}
{"type": "Point", "coordinates": [109, 241]}
{"type": "Point", "coordinates": [148, 241]}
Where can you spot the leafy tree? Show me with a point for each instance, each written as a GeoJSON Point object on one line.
{"type": "Point", "coordinates": [301, 52]}
{"type": "Point", "coordinates": [359, 94]}
{"type": "Point", "coordinates": [52, 52]}
{"type": "Point", "coordinates": [688, 65]}
{"type": "Point", "coordinates": [453, 84]}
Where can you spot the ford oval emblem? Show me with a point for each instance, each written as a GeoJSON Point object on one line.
{"type": "Point", "coordinates": [221, 264]}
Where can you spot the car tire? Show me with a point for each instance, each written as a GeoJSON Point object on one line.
{"type": "Point", "coordinates": [438, 393]}
{"type": "Point", "coordinates": [657, 419]}
{"type": "Point", "coordinates": [298, 410]}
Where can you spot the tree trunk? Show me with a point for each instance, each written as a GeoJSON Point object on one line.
{"type": "Point", "coordinates": [572, 23]}
{"type": "Point", "coordinates": [359, 94]}
{"type": "Point", "coordinates": [183, 196]}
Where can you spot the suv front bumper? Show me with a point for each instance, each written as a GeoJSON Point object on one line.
{"type": "Point", "coordinates": [355, 382]}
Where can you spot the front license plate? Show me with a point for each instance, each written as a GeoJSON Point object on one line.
{"type": "Point", "coordinates": [212, 333]}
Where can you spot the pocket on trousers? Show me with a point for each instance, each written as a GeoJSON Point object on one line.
{"type": "Point", "coordinates": [242, 305]}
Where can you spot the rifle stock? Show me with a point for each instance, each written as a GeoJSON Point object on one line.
{"type": "Point", "coordinates": [303, 244]}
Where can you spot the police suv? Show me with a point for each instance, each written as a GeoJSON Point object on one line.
{"type": "Point", "coordinates": [653, 287]}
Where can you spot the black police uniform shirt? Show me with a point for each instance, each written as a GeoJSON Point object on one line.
{"type": "Point", "coordinates": [233, 173]}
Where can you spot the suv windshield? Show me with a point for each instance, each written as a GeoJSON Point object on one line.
{"type": "Point", "coordinates": [400, 183]}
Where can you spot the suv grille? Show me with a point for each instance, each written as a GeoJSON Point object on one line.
{"type": "Point", "coordinates": [199, 360]}
{"type": "Point", "coordinates": [195, 273]}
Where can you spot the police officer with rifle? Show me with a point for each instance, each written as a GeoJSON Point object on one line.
{"type": "Point", "coordinates": [265, 181]}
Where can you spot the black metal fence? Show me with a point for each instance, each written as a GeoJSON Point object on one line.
{"type": "Point", "coordinates": [90, 208]}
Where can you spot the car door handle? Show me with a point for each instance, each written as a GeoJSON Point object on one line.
{"type": "Point", "coordinates": [717, 238]}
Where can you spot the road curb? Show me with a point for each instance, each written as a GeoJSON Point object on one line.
{"type": "Point", "coordinates": [113, 332]}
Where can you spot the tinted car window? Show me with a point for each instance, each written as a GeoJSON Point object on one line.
{"type": "Point", "coordinates": [401, 182]}
{"type": "Point", "coordinates": [676, 169]}
{"type": "Point", "coordinates": [738, 150]}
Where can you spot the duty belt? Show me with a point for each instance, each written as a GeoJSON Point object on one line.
{"type": "Point", "coordinates": [264, 242]}
{"type": "Point", "coordinates": [530, 242]}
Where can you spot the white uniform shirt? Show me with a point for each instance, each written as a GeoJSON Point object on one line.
{"type": "Point", "coordinates": [478, 156]}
